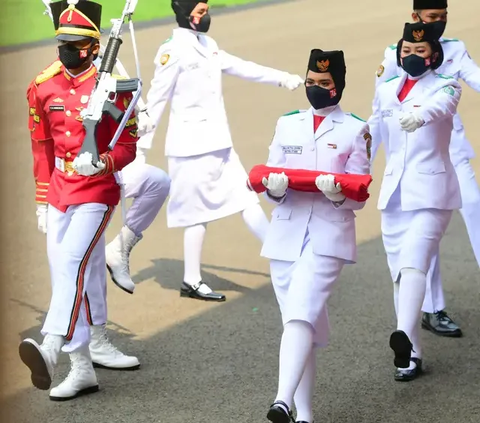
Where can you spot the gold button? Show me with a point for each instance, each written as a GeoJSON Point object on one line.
{"type": "Point", "coordinates": [67, 133]}
{"type": "Point", "coordinates": [68, 154]}
{"type": "Point", "coordinates": [72, 91]}
{"type": "Point", "coordinates": [68, 113]}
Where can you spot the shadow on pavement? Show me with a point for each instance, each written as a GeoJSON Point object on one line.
{"type": "Point", "coordinates": [221, 367]}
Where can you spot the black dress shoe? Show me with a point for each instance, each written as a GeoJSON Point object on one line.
{"type": "Point", "coordinates": [302, 421]}
{"type": "Point", "coordinates": [408, 375]}
{"type": "Point", "coordinates": [402, 347]}
{"type": "Point", "coordinates": [441, 324]}
{"type": "Point", "coordinates": [277, 413]}
{"type": "Point", "coordinates": [192, 291]}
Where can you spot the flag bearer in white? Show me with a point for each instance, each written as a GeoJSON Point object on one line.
{"type": "Point", "coordinates": [413, 115]}
{"type": "Point", "coordinates": [458, 64]}
{"type": "Point", "coordinates": [208, 181]}
{"type": "Point", "coordinates": [311, 235]}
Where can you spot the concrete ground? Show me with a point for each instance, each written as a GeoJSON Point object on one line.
{"type": "Point", "coordinates": [217, 363]}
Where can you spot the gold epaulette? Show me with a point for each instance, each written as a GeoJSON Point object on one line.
{"type": "Point", "coordinates": [114, 75]}
{"type": "Point", "coordinates": [50, 72]}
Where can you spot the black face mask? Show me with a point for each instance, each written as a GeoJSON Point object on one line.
{"type": "Point", "coordinates": [203, 24]}
{"type": "Point", "coordinates": [72, 57]}
{"type": "Point", "coordinates": [415, 65]}
{"type": "Point", "coordinates": [320, 98]}
{"type": "Point", "coordinates": [440, 26]}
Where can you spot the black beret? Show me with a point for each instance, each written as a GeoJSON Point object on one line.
{"type": "Point", "coordinates": [419, 32]}
{"type": "Point", "coordinates": [430, 4]}
{"type": "Point", "coordinates": [326, 61]}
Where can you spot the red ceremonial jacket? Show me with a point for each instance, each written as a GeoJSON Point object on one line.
{"type": "Point", "coordinates": [55, 101]}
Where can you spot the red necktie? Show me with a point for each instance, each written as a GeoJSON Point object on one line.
{"type": "Point", "coordinates": [317, 120]}
{"type": "Point", "coordinates": [407, 87]}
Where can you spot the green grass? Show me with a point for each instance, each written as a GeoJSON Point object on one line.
{"type": "Point", "coordinates": [22, 21]}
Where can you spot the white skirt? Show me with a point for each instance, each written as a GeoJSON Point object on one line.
{"type": "Point", "coordinates": [302, 289]}
{"type": "Point", "coordinates": [411, 238]}
{"type": "Point", "coordinates": [206, 188]}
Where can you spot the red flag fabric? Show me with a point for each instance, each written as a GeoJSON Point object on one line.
{"type": "Point", "coordinates": [354, 187]}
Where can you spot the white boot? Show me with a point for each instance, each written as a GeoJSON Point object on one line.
{"type": "Point", "coordinates": [41, 359]}
{"type": "Point", "coordinates": [118, 258]}
{"type": "Point", "coordinates": [105, 355]}
{"type": "Point", "coordinates": [81, 380]}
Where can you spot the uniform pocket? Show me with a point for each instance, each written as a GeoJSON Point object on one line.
{"type": "Point", "coordinates": [431, 168]}
{"type": "Point", "coordinates": [282, 214]}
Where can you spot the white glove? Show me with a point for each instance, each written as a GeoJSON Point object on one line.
{"type": "Point", "coordinates": [410, 122]}
{"type": "Point", "coordinates": [83, 165]}
{"type": "Point", "coordinates": [145, 123]}
{"type": "Point", "coordinates": [42, 217]}
{"type": "Point", "coordinates": [276, 184]}
{"type": "Point", "coordinates": [326, 184]}
{"type": "Point", "coordinates": [291, 82]}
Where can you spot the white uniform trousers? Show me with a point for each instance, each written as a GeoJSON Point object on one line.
{"type": "Point", "coordinates": [207, 187]}
{"type": "Point", "coordinates": [149, 187]}
{"type": "Point", "coordinates": [303, 287]}
{"type": "Point", "coordinates": [411, 238]}
{"type": "Point", "coordinates": [72, 238]}
{"type": "Point", "coordinates": [470, 211]}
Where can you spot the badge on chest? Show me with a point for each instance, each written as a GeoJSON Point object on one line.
{"type": "Point", "coordinates": [57, 108]}
{"type": "Point", "coordinates": [387, 113]}
{"type": "Point", "coordinates": [292, 149]}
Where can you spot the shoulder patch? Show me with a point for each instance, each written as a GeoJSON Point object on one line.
{"type": "Point", "coordinates": [393, 47]}
{"type": "Point", "coordinates": [450, 40]}
{"type": "Point", "coordinates": [295, 112]}
{"type": "Point", "coordinates": [356, 117]}
{"type": "Point", "coordinates": [392, 78]}
{"type": "Point", "coordinates": [50, 72]}
{"type": "Point", "coordinates": [441, 75]}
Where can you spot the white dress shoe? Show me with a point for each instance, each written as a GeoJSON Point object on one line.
{"type": "Point", "coordinates": [105, 355]}
{"type": "Point", "coordinates": [81, 379]}
{"type": "Point", "coordinates": [41, 359]}
{"type": "Point", "coordinates": [118, 259]}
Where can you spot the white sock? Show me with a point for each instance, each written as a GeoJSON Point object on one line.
{"type": "Point", "coordinates": [411, 294]}
{"type": "Point", "coordinates": [295, 348]}
{"type": "Point", "coordinates": [256, 220]}
{"type": "Point", "coordinates": [303, 397]}
{"type": "Point", "coordinates": [396, 288]}
{"type": "Point", "coordinates": [192, 250]}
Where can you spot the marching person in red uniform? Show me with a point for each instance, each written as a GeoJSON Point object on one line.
{"type": "Point", "coordinates": [75, 199]}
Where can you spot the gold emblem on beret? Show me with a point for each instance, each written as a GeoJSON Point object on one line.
{"type": "Point", "coordinates": [164, 59]}
{"type": "Point", "coordinates": [418, 35]}
{"type": "Point", "coordinates": [323, 65]}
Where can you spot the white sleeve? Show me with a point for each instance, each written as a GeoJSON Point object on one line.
{"type": "Point", "coordinates": [442, 103]}
{"type": "Point", "coordinates": [374, 123]}
{"type": "Point", "coordinates": [358, 163]}
{"type": "Point", "coordinates": [167, 69]}
{"type": "Point", "coordinates": [276, 158]}
{"type": "Point", "coordinates": [234, 66]}
{"type": "Point", "coordinates": [469, 71]}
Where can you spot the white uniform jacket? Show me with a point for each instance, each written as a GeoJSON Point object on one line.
{"type": "Point", "coordinates": [189, 68]}
{"type": "Point", "coordinates": [458, 64]}
{"type": "Point", "coordinates": [419, 161]}
{"type": "Point", "coordinates": [338, 146]}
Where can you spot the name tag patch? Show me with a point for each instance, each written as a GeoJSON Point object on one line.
{"type": "Point", "coordinates": [292, 149]}
{"type": "Point", "coordinates": [57, 108]}
{"type": "Point", "coordinates": [387, 113]}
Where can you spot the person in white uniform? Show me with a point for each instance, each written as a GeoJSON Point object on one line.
{"type": "Point", "coordinates": [208, 181]}
{"type": "Point", "coordinates": [311, 235]}
{"type": "Point", "coordinates": [413, 114]}
{"type": "Point", "coordinates": [458, 64]}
